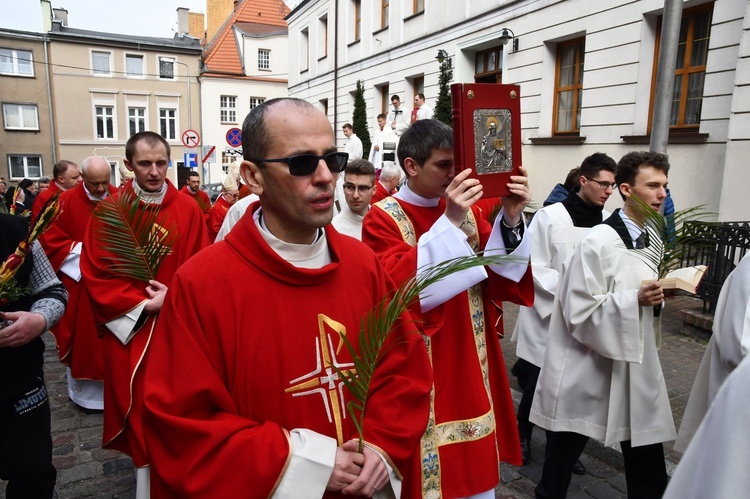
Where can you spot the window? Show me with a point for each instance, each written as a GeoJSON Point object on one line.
{"type": "Point", "coordinates": [385, 99]}
{"type": "Point", "coordinates": [304, 50]}
{"type": "Point", "coordinates": [134, 65]}
{"type": "Point", "coordinates": [100, 63]}
{"type": "Point", "coordinates": [384, 5]}
{"type": "Point", "coordinates": [136, 120]}
{"type": "Point", "coordinates": [168, 123]}
{"type": "Point", "coordinates": [24, 166]}
{"type": "Point", "coordinates": [20, 117]}
{"type": "Point", "coordinates": [324, 106]}
{"type": "Point", "coordinates": [166, 68]}
{"type": "Point", "coordinates": [488, 65]}
{"type": "Point", "coordinates": [568, 87]}
{"type": "Point", "coordinates": [418, 6]}
{"type": "Point", "coordinates": [264, 59]}
{"type": "Point", "coordinates": [16, 62]}
{"type": "Point", "coordinates": [357, 4]}
{"type": "Point", "coordinates": [227, 106]}
{"type": "Point", "coordinates": [256, 101]}
{"type": "Point", "coordinates": [105, 122]}
{"type": "Point", "coordinates": [323, 52]}
{"type": "Point", "coordinates": [418, 86]}
{"type": "Point", "coordinates": [690, 70]}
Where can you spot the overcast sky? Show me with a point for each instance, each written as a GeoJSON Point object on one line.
{"type": "Point", "coordinates": [137, 17]}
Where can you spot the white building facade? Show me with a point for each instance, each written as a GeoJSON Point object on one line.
{"type": "Point", "coordinates": [586, 71]}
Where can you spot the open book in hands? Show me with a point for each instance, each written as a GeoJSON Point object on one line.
{"type": "Point", "coordinates": [685, 278]}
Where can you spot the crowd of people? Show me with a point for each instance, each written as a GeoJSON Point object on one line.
{"type": "Point", "coordinates": [224, 371]}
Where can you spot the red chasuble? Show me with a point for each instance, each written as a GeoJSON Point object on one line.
{"type": "Point", "coordinates": [468, 430]}
{"type": "Point", "coordinates": [42, 198]}
{"type": "Point", "coordinates": [216, 217]}
{"type": "Point", "coordinates": [242, 355]}
{"type": "Point", "coordinates": [112, 296]}
{"type": "Point", "coordinates": [204, 202]}
{"type": "Point", "coordinates": [77, 338]}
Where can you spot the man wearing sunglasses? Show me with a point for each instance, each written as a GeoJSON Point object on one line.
{"type": "Point", "coordinates": [553, 233]}
{"type": "Point", "coordinates": [244, 394]}
{"type": "Point", "coordinates": [430, 220]}
{"type": "Point", "coordinates": [359, 180]}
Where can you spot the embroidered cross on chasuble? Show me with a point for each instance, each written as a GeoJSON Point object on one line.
{"type": "Point", "coordinates": [324, 381]}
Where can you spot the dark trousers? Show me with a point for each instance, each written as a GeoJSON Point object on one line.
{"type": "Point", "coordinates": [527, 375]}
{"type": "Point", "coordinates": [645, 469]}
{"type": "Point", "coordinates": [26, 444]}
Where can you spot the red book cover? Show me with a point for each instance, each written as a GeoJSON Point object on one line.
{"type": "Point", "coordinates": [487, 133]}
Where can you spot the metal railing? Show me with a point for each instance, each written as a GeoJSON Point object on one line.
{"type": "Point", "coordinates": [720, 246]}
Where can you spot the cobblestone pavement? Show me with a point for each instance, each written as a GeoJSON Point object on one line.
{"type": "Point", "coordinates": [85, 470]}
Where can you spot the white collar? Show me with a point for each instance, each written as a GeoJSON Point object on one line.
{"type": "Point", "coordinates": [632, 227]}
{"type": "Point", "coordinates": [411, 197]}
{"type": "Point", "coordinates": [92, 197]}
{"type": "Point", "coordinates": [307, 256]}
{"type": "Point", "coordinates": [150, 197]}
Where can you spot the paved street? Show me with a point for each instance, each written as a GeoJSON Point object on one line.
{"type": "Point", "coordinates": [87, 471]}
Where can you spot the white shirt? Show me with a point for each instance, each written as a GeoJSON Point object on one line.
{"type": "Point", "coordinates": [354, 147]}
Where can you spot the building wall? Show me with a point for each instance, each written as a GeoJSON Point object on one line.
{"type": "Point", "coordinates": [26, 90]}
{"type": "Point", "coordinates": [620, 43]}
{"type": "Point", "coordinates": [78, 91]}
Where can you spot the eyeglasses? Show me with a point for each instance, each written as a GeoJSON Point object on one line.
{"type": "Point", "coordinates": [603, 185]}
{"type": "Point", "coordinates": [303, 165]}
{"type": "Point", "coordinates": [362, 189]}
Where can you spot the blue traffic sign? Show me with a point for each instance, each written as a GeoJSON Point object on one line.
{"type": "Point", "coordinates": [191, 160]}
{"type": "Point", "coordinates": [234, 137]}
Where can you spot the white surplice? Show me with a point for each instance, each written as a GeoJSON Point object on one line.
{"type": "Point", "coordinates": [729, 344]}
{"type": "Point", "coordinates": [601, 376]}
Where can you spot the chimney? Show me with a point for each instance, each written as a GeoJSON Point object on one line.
{"type": "Point", "coordinates": [62, 15]}
{"type": "Point", "coordinates": [46, 15]}
{"type": "Point", "coordinates": [183, 26]}
{"type": "Point", "coordinates": [197, 25]}
{"type": "Point", "coordinates": [218, 12]}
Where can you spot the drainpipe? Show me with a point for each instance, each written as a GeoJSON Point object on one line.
{"type": "Point", "coordinates": [670, 33]}
{"type": "Point", "coordinates": [49, 101]}
{"type": "Point", "coordinates": [336, 71]}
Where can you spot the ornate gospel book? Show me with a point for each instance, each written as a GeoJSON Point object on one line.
{"type": "Point", "coordinates": [487, 133]}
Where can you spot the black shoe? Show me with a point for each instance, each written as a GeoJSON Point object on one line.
{"type": "Point", "coordinates": [579, 468]}
{"type": "Point", "coordinates": [526, 450]}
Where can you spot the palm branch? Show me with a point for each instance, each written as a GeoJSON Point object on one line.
{"type": "Point", "coordinates": [377, 324]}
{"type": "Point", "coordinates": [677, 242]}
{"type": "Point", "coordinates": [133, 235]}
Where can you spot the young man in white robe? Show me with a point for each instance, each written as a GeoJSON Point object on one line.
{"type": "Point", "coordinates": [359, 186]}
{"type": "Point", "coordinates": [554, 232]}
{"type": "Point", "coordinates": [601, 376]}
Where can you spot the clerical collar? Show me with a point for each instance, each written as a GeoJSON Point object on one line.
{"type": "Point", "coordinates": [150, 197]}
{"type": "Point", "coordinates": [94, 198]}
{"type": "Point", "coordinates": [411, 197]}
{"type": "Point", "coordinates": [581, 213]}
{"type": "Point", "coordinates": [305, 256]}
{"type": "Point", "coordinates": [191, 191]}
{"type": "Point", "coordinates": [59, 186]}
{"type": "Point", "coordinates": [633, 229]}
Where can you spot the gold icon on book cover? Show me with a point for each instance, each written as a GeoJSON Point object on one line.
{"type": "Point", "coordinates": [492, 141]}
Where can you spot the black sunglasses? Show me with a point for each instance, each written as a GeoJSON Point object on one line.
{"type": "Point", "coordinates": [303, 165]}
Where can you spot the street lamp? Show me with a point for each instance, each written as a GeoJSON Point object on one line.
{"type": "Point", "coordinates": [507, 35]}
{"type": "Point", "coordinates": [189, 102]}
{"type": "Point", "coordinates": [442, 56]}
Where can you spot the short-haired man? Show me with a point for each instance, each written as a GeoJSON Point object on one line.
{"type": "Point", "coordinates": [398, 117]}
{"type": "Point", "coordinates": [193, 189]}
{"type": "Point", "coordinates": [431, 219]}
{"type": "Point", "coordinates": [390, 176]}
{"type": "Point", "coordinates": [256, 405]}
{"type": "Point", "coordinates": [42, 183]}
{"type": "Point", "coordinates": [76, 335]}
{"type": "Point", "coordinates": [601, 377]}
{"type": "Point", "coordinates": [353, 145]}
{"type": "Point", "coordinates": [126, 308]}
{"type": "Point", "coordinates": [383, 135]}
{"type": "Point", "coordinates": [228, 196]}
{"type": "Point", "coordinates": [421, 110]}
{"type": "Point", "coordinates": [359, 180]}
{"type": "Point", "coordinates": [66, 176]}
{"type": "Point", "coordinates": [553, 233]}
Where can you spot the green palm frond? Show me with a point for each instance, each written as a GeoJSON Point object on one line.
{"type": "Point", "coordinates": [677, 241]}
{"type": "Point", "coordinates": [377, 324]}
{"type": "Point", "coordinates": [133, 236]}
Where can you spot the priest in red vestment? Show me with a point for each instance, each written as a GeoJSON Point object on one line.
{"type": "Point", "coordinates": [126, 309]}
{"type": "Point", "coordinates": [390, 175]}
{"type": "Point", "coordinates": [65, 176]}
{"type": "Point", "coordinates": [193, 189]}
{"type": "Point", "coordinates": [432, 219]}
{"type": "Point", "coordinates": [243, 397]}
{"type": "Point", "coordinates": [220, 208]}
{"type": "Point", "coordinates": [78, 342]}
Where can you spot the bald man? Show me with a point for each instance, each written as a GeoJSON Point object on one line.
{"type": "Point", "coordinates": [79, 345]}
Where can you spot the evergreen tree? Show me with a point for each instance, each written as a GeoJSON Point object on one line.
{"type": "Point", "coordinates": [359, 118]}
{"type": "Point", "coordinates": [443, 106]}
